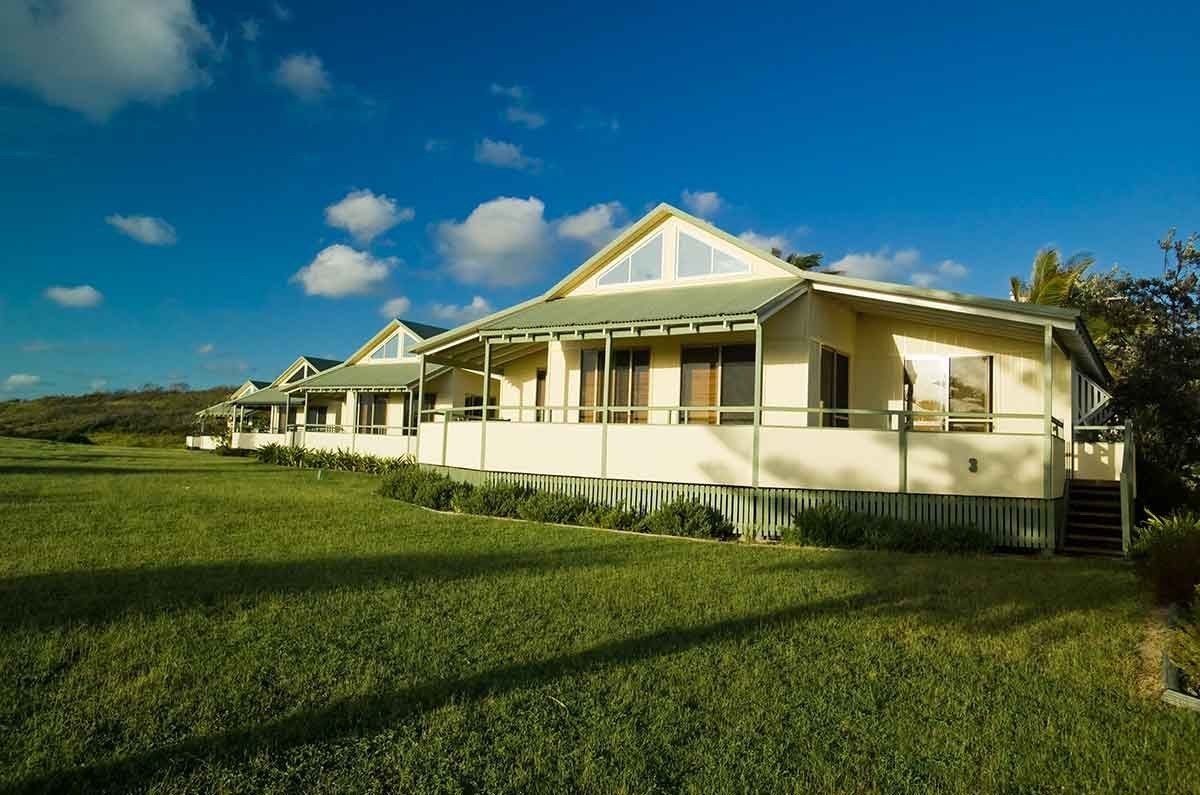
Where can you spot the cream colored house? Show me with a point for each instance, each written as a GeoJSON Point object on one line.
{"type": "Point", "coordinates": [262, 416]}
{"type": "Point", "coordinates": [368, 404]}
{"type": "Point", "coordinates": [681, 360]}
{"type": "Point", "coordinates": [218, 420]}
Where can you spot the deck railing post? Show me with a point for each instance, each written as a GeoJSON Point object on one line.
{"type": "Point", "coordinates": [604, 415]}
{"type": "Point", "coordinates": [420, 406]}
{"type": "Point", "coordinates": [487, 389]}
{"type": "Point", "coordinates": [902, 455]}
{"type": "Point", "coordinates": [758, 401]}
{"type": "Point", "coordinates": [1048, 517]}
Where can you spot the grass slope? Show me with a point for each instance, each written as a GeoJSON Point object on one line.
{"type": "Point", "coordinates": [187, 623]}
{"type": "Point", "coordinates": [154, 418]}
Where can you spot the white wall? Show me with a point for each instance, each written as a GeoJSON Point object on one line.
{"type": "Point", "coordinates": [829, 458]}
{"type": "Point", "coordinates": [680, 453]}
{"type": "Point", "coordinates": [1010, 466]}
{"type": "Point", "coordinates": [539, 448]}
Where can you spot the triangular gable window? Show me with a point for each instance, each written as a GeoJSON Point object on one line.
{"type": "Point", "coordinates": [397, 346]}
{"type": "Point", "coordinates": [643, 265]}
{"type": "Point", "coordinates": [303, 372]}
{"type": "Point", "coordinates": [697, 258]}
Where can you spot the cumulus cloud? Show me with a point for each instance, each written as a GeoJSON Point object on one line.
{"type": "Point", "coordinates": [514, 92]}
{"type": "Point", "coordinates": [503, 154]}
{"type": "Point", "coordinates": [339, 271]}
{"type": "Point", "coordinates": [596, 225]}
{"type": "Point", "coordinates": [704, 203]}
{"type": "Point", "coordinates": [95, 56]}
{"type": "Point", "coordinates": [82, 296]}
{"type": "Point", "coordinates": [304, 75]}
{"type": "Point", "coordinates": [395, 307]}
{"type": "Point", "coordinates": [366, 215]}
{"type": "Point", "coordinates": [765, 242]}
{"type": "Point", "coordinates": [530, 119]}
{"type": "Point", "coordinates": [503, 242]}
{"type": "Point", "coordinates": [98, 384]}
{"type": "Point", "coordinates": [458, 315]}
{"type": "Point", "coordinates": [205, 349]}
{"type": "Point", "coordinates": [21, 381]}
{"type": "Point", "coordinates": [902, 265]}
{"type": "Point", "coordinates": [250, 29]}
{"type": "Point", "coordinates": [146, 229]}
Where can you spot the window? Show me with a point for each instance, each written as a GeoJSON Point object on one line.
{"type": "Point", "coordinates": [643, 265]}
{"type": "Point", "coordinates": [428, 403]}
{"type": "Point", "coordinates": [474, 404]}
{"type": "Point", "coordinates": [696, 258]}
{"type": "Point", "coordinates": [629, 385]}
{"type": "Point", "coordinates": [397, 346]}
{"type": "Point", "coordinates": [835, 387]}
{"type": "Point", "coordinates": [959, 384]}
{"type": "Point", "coordinates": [717, 376]}
{"type": "Point", "coordinates": [372, 413]}
{"type": "Point", "coordinates": [303, 372]}
{"type": "Point", "coordinates": [539, 396]}
{"type": "Point", "coordinates": [591, 362]}
{"type": "Point", "coordinates": [317, 415]}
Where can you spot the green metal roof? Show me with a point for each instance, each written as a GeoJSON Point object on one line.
{"type": "Point", "coordinates": [361, 376]}
{"type": "Point", "coordinates": [222, 409]}
{"type": "Point", "coordinates": [263, 397]}
{"type": "Point", "coordinates": [677, 303]}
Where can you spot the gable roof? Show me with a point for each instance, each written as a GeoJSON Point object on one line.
{"type": "Point", "coordinates": [421, 330]}
{"type": "Point", "coordinates": [394, 375]}
{"type": "Point", "coordinates": [320, 363]}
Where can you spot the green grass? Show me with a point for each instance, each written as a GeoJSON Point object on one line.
{"type": "Point", "coordinates": [178, 622]}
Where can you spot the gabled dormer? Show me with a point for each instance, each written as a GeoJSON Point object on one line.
{"type": "Point", "coordinates": [303, 367]}
{"type": "Point", "coordinates": [394, 343]}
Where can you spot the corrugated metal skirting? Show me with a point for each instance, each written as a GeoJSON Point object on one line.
{"type": "Point", "coordinates": [1014, 522]}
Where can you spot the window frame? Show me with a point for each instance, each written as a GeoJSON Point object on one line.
{"type": "Point", "coordinates": [684, 416]}
{"type": "Point", "coordinates": [947, 423]}
{"type": "Point", "coordinates": [627, 258]}
{"type": "Point", "coordinates": [833, 420]}
{"type": "Point", "coordinates": [712, 254]}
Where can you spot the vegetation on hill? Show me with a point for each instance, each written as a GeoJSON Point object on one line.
{"type": "Point", "coordinates": [151, 416]}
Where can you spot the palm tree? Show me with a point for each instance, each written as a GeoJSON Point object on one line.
{"type": "Point", "coordinates": [1051, 281]}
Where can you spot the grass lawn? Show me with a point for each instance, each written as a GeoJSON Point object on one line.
{"type": "Point", "coordinates": [183, 622]}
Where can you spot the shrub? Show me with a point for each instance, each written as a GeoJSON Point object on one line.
{"type": "Point", "coordinates": [544, 506]}
{"type": "Point", "coordinates": [616, 517]}
{"type": "Point", "coordinates": [492, 499]}
{"type": "Point", "coordinates": [1185, 645]}
{"type": "Point", "coordinates": [421, 487]}
{"type": "Point", "coordinates": [829, 526]}
{"type": "Point", "coordinates": [1168, 553]}
{"type": "Point", "coordinates": [340, 460]}
{"type": "Point", "coordinates": [691, 518]}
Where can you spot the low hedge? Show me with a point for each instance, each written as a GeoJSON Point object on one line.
{"type": "Point", "coordinates": [433, 490]}
{"type": "Point", "coordinates": [1185, 646]}
{"type": "Point", "coordinates": [337, 460]}
{"type": "Point", "coordinates": [1167, 551]}
{"type": "Point", "coordinates": [830, 526]}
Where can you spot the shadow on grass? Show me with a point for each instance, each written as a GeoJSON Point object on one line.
{"type": "Point", "coordinates": [374, 712]}
{"type": "Point", "coordinates": [99, 596]}
{"type": "Point", "coordinates": [133, 469]}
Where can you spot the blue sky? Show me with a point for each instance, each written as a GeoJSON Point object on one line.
{"type": "Point", "coordinates": [241, 182]}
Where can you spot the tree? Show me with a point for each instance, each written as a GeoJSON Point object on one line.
{"type": "Point", "coordinates": [805, 262]}
{"type": "Point", "coordinates": [1051, 282]}
{"type": "Point", "coordinates": [1150, 338]}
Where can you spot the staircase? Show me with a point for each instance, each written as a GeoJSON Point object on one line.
{"type": "Point", "coordinates": [1094, 518]}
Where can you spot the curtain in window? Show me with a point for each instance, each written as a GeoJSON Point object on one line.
{"type": "Point", "coordinates": [629, 384]}
{"type": "Point", "coordinates": [698, 385]}
{"type": "Point", "coordinates": [539, 396]}
{"type": "Point", "coordinates": [591, 362]}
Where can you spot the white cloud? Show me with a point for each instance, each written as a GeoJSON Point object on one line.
{"type": "Point", "coordinates": [339, 271]}
{"type": "Point", "coordinates": [596, 225]}
{"type": "Point", "coordinates": [21, 381]}
{"type": "Point", "coordinates": [144, 228]}
{"type": "Point", "coordinates": [503, 154]}
{"type": "Point", "coordinates": [98, 384]}
{"type": "Point", "coordinates": [458, 315]}
{"type": "Point", "coordinates": [530, 119]}
{"type": "Point", "coordinates": [95, 56]}
{"type": "Point", "coordinates": [395, 307]}
{"type": "Point", "coordinates": [505, 241]}
{"type": "Point", "coordinates": [901, 265]}
{"type": "Point", "coordinates": [250, 29]}
{"type": "Point", "coordinates": [282, 12]}
{"type": "Point", "coordinates": [766, 242]}
{"type": "Point", "coordinates": [366, 215]}
{"type": "Point", "coordinates": [304, 75]}
{"type": "Point", "coordinates": [436, 145]}
{"type": "Point", "coordinates": [80, 297]}
{"type": "Point", "coordinates": [514, 92]}
{"type": "Point", "coordinates": [205, 349]}
{"type": "Point", "coordinates": [703, 203]}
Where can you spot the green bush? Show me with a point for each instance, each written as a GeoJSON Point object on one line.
{"type": "Point", "coordinates": [338, 460]}
{"type": "Point", "coordinates": [691, 518]}
{"type": "Point", "coordinates": [422, 487]}
{"type": "Point", "coordinates": [616, 517]}
{"type": "Point", "coordinates": [1185, 645]}
{"type": "Point", "coordinates": [829, 526]}
{"type": "Point", "coordinates": [492, 499]}
{"type": "Point", "coordinates": [1167, 550]}
{"type": "Point", "coordinates": [544, 506]}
